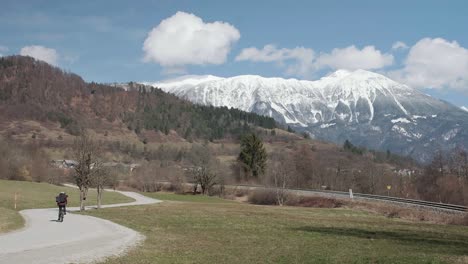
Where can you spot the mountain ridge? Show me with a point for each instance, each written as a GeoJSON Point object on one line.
{"type": "Point", "coordinates": [368, 108]}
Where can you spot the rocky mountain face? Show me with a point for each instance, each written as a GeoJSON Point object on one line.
{"type": "Point", "coordinates": [366, 108]}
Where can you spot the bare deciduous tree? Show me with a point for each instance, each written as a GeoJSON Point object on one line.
{"type": "Point", "coordinates": [202, 171]}
{"type": "Point", "coordinates": [102, 177]}
{"type": "Point", "coordinates": [281, 172]}
{"type": "Point", "coordinates": [203, 177]}
{"type": "Point", "coordinates": [87, 154]}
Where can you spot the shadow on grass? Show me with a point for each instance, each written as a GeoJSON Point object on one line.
{"type": "Point", "coordinates": [422, 241]}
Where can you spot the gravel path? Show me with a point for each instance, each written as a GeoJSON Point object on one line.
{"type": "Point", "coordinates": [78, 239]}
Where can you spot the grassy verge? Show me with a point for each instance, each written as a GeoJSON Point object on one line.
{"type": "Point", "coordinates": [10, 220]}
{"type": "Point", "coordinates": [165, 196]}
{"type": "Point", "coordinates": [226, 232]}
{"type": "Point", "coordinates": [40, 195]}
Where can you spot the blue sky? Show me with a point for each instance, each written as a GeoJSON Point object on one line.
{"type": "Point", "coordinates": [103, 41]}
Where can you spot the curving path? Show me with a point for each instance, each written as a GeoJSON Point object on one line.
{"type": "Point", "coordinates": [78, 239]}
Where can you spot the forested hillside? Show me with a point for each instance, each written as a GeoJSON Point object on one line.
{"type": "Point", "coordinates": [31, 89]}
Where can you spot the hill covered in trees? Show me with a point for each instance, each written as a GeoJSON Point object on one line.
{"type": "Point", "coordinates": [32, 89]}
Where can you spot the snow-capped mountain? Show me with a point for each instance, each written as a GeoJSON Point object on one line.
{"type": "Point", "coordinates": [365, 107]}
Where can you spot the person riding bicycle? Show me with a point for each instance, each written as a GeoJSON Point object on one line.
{"type": "Point", "coordinates": [62, 200]}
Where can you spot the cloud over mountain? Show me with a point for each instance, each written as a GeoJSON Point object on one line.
{"type": "Point", "coordinates": [352, 58]}
{"type": "Point", "coordinates": [299, 60]}
{"type": "Point", "coordinates": [3, 49]}
{"type": "Point", "coordinates": [41, 53]}
{"type": "Point", "coordinates": [399, 45]}
{"type": "Point", "coordinates": [435, 63]}
{"type": "Point", "coordinates": [184, 39]}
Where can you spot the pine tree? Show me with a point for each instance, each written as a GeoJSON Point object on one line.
{"type": "Point", "coordinates": [348, 145]}
{"type": "Point", "coordinates": [253, 155]}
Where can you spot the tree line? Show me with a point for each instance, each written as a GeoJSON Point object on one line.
{"type": "Point", "coordinates": [35, 90]}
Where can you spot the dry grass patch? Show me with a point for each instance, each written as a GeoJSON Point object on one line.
{"type": "Point", "coordinates": [411, 213]}
{"type": "Point", "coordinates": [315, 201]}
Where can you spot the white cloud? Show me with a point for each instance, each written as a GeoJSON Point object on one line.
{"type": "Point", "coordinates": [41, 53]}
{"type": "Point", "coordinates": [184, 39]}
{"type": "Point", "coordinates": [435, 63]}
{"type": "Point", "coordinates": [302, 61]}
{"type": "Point", "coordinates": [2, 50]}
{"type": "Point", "coordinates": [302, 58]}
{"type": "Point", "coordinates": [352, 58]}
{"type": "Point", "coordinates": [399, 45]}
{"type": "Point", "coordinates": [464, 108]}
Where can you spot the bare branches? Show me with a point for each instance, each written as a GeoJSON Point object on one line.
{"type": "Point", "coordinates": [281, 171]}
{"type": "Point", "coordinates": [202, 171]}
{"type": "Point", "coordinates": [89, 168]}
{"type": "Point", "coordinates": [204, 177]}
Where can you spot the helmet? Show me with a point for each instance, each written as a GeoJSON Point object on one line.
{"type": "Point", "coordinates": [62, 192]}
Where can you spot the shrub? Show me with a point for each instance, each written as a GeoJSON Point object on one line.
{"type": "Point", "coordinates": [314, 201]}
{"type": "Point", "coordinates": [263, 197]}
{"type": "Point", "coordinates": [459, 220]}
{"type": "Point", "coordinates": [240, 192]}
{"type": "Point", "coordinates": [177, 182]}
{"type": "Point", "coordinates": [394, 213]}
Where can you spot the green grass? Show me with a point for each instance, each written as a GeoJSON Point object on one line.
{"type": "Point", "coordinates": [40, 195]}
{"type": "Point", "coordinates": [217, 232]}
{"type": "Point", "coordinates": [10, 220]}
{"type": "Point", "coordinates": [165, 196]}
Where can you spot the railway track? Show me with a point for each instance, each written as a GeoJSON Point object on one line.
{"type": "Point", "coordinates": [427, 204]}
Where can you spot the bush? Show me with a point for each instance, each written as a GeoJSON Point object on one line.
{"type": "Point", "coordinates": [240, 192]}
{"type": "Point", "coordinates": [394, 213]}
{"type": "Point", "coordinates": [177, 182]}
{"type": "Point", "coordinates": [263, 197]}
{"type": "Point", "coordinates": [459, 220]}
{"type": "Point", "coordinates": [73, 128]}
{"type": "Point", "coordinates": [217, 190]}
{"type": "Point", "coordinates": [314, 201]}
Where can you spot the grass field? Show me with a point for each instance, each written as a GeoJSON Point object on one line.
{"type": "Point", "coordinates": [40, 195]}
{"type": "Point", "coordinates": [10, 220]}
{"type": "Point", "coordinates": [198, 229]}
{"type": "Point", "coordinates": [165, 196]}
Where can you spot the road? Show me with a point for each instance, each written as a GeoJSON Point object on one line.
{"type": "Point", "coordinates": [79, 239]}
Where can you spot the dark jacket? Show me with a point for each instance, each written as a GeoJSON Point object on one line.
{"type": "Point", "coordinates": [61, 199]}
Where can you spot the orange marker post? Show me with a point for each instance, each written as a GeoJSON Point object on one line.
{"type": "Point", "coordinates": [16, 198]}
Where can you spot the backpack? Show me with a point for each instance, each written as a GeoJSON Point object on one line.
{"type": "Point", "coordinates": [60, 198]}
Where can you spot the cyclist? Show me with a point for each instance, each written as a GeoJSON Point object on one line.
{"type": "Point", "coordinates": [62, 200]}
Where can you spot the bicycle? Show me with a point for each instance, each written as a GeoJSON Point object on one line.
{"type": "Point", "coordinates": [61, 214]}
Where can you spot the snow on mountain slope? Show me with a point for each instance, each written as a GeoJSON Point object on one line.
{"type": "Point", "coordinates": [186, 81]}
{"type": "Point", "coordinates": [365, 107]}
{"type": "Point", "coordinates": [342, 94]}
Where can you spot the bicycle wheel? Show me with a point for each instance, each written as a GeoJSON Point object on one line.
{"type": "Point", "coordinates": [60, 215]}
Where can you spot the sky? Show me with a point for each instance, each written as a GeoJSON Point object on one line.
{"type": "Point", "coordinates": [423, 44]}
